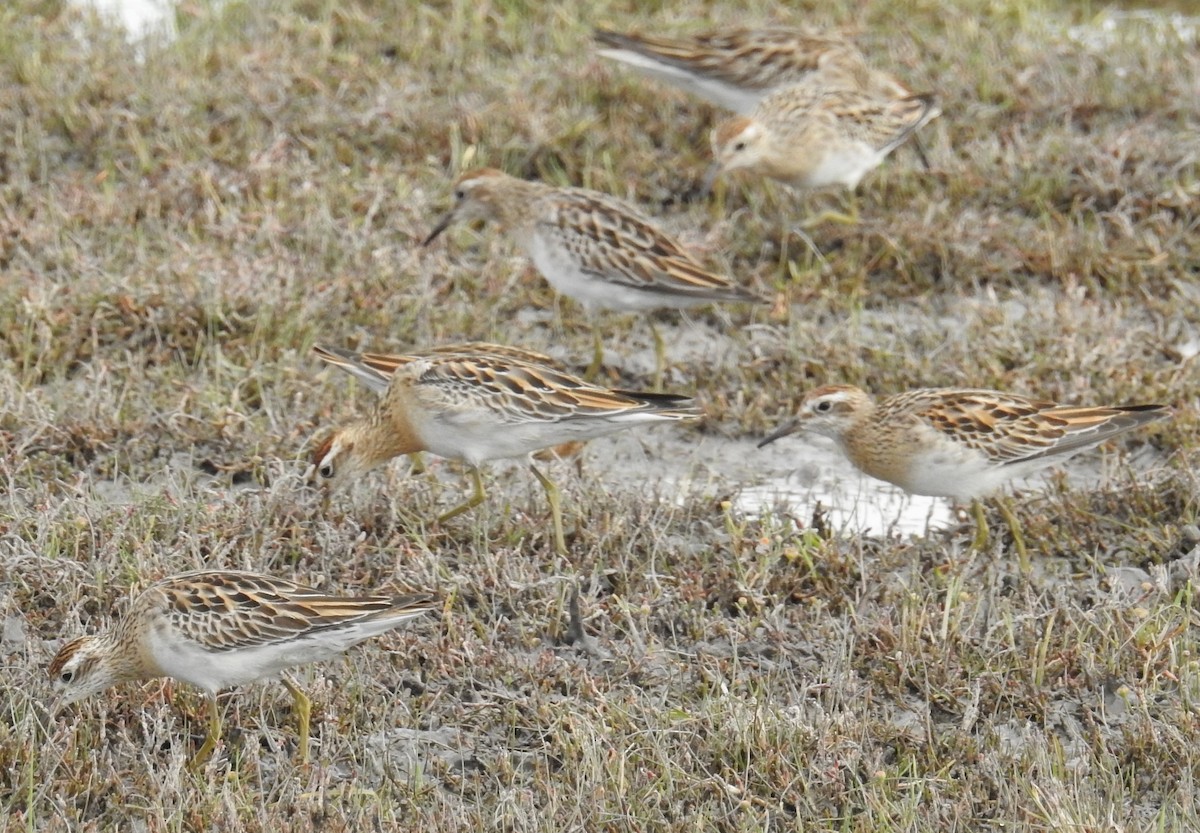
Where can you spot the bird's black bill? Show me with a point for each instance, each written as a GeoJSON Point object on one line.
{"type": "Point", "coordinates": [782, 431]}
{"type": "Point", "coordinates": [439, 228]}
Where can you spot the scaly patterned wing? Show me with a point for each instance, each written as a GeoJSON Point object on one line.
{"type": "Point", "coordinates": [1010, 428]}
{"type": "Point", "coordinates": [519, 392]}
{"type": "Point", "coordinates": [753, 59]}
{"type": "Point", "coordinates": [881, 123]}
{"type": "Point", "coordinates": [486, 348]}
{"type": "Point", "coordinates": [376, 369]}
{"type": "Point", "coordinates": [386, 363]}
{"type": "Point", "coordinates": [224, 611]}
{"type": "Point", "coordinates": [1081, 427]}
{"type": "Point", "coordinates": [986, 420]}
{"type": "Point", "coordinates": [616, 243]}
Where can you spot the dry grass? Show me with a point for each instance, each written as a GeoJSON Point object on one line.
{"type": "Point", "coordinates": [178, 228]}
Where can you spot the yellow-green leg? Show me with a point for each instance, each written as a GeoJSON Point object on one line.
{"type": "Point", "coordinates": [593, 369]}
{"type": "Point", "coordinates": [474, 500]}
{"type": "Point", "coordinates": [416, 463]}
{"type": "Point", "coordinates": [660, 357]}
{"type": "Point", "coordinates": [214, 735]}
{"type": "Point", "coordinates": [555, 500]}
{"type": "Point", "coordinates": [1014, 527]}
{"type": "Point", "coordinates": [981, 527]}
{"type": "Point", "coordinates": [303, 716]}
{"type": "Point", "coordinates": [848, 219]}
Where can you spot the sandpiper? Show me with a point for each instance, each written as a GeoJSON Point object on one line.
{"type": "Point", "coordinates": [810, 135]}
{"type": "Point", "coordinates": [960, 443]}
{"type": "Point", "coordinates": [592, 247]}
{"type": "Point", "coordinates": [735, 68]}
{"type": "Point", "coordinates": [479, 407]}
{"type": "Point", "coordinates": [216, 629]}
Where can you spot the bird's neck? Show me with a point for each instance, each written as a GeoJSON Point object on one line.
{"type": "Point", "coordinates": [388, 432]}
{"type": "Point", "coordinates": [518, 211]}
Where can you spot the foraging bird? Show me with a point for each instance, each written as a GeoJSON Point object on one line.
{"type": "Point", "coordinates": [959, 443]}
{"type": "Point", "coordinates": [218, 628]}
{"type": "Point", "coordinates": [736, 68]}
{"type": "Point", "coordinates": [591, 247]}
{"type": "Point", "coordinates": [478, 407]}
{"type": "Point", "coordinates": [810, 136]}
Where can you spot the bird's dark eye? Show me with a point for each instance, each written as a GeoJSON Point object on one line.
{"type": "Point", "coordinates": [326, 471]}
{"type": "Point", "coordinates": [823, 407]}
{"type": "Point", "coordinates": [738, 146]}
{"type": "Point", "coordinates": [67, 676]}
{"type": "Point", "coordinates": [460, 194]}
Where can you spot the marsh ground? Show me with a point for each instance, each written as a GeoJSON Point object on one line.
{"type": "Point", "coordinates": [180, 222]}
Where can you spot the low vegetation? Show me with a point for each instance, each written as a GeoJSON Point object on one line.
{"type": "Point", "coordinates": [182, 220]}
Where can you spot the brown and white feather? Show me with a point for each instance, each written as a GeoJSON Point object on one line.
{"type": "Point", "coordinates": [734, 68]}
{"type": "Point", "coordinates": [478, 407]}
{"type": "Point", "coordinates": [958, 442]}
{"type": "Point", "coordinates": [590, 246]}
{"type": "Point", "coordinates": [216, 628]}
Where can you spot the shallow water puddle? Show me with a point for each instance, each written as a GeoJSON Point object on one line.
{"type": "Point", "coordinates": [856, 505]}
{"type": "Point", "coordinates": [139, 17]}
{"type": "Point", "coordinates": [797, 475]}
{"type": "Point", "coordinates": [792, 477]}
{"type": "Point", "coordinates": [1112, 26]}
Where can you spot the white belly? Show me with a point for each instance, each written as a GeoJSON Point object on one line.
{"type": "Point", "coordinates": [843, 165]}
{"type": "Point", "coordinates": [562, 269]}
{"type": "Point", "coordinates": [212, 671]}
{"type": "Point", "coordinates": [478, 438]}
{"type": "Point", "coordinates": [955, 481]}
{"type": "Point", "coordinates": [215, 670]}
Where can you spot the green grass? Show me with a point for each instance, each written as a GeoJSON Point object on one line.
{"type": "Point", "coordinates": [179, 225]}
